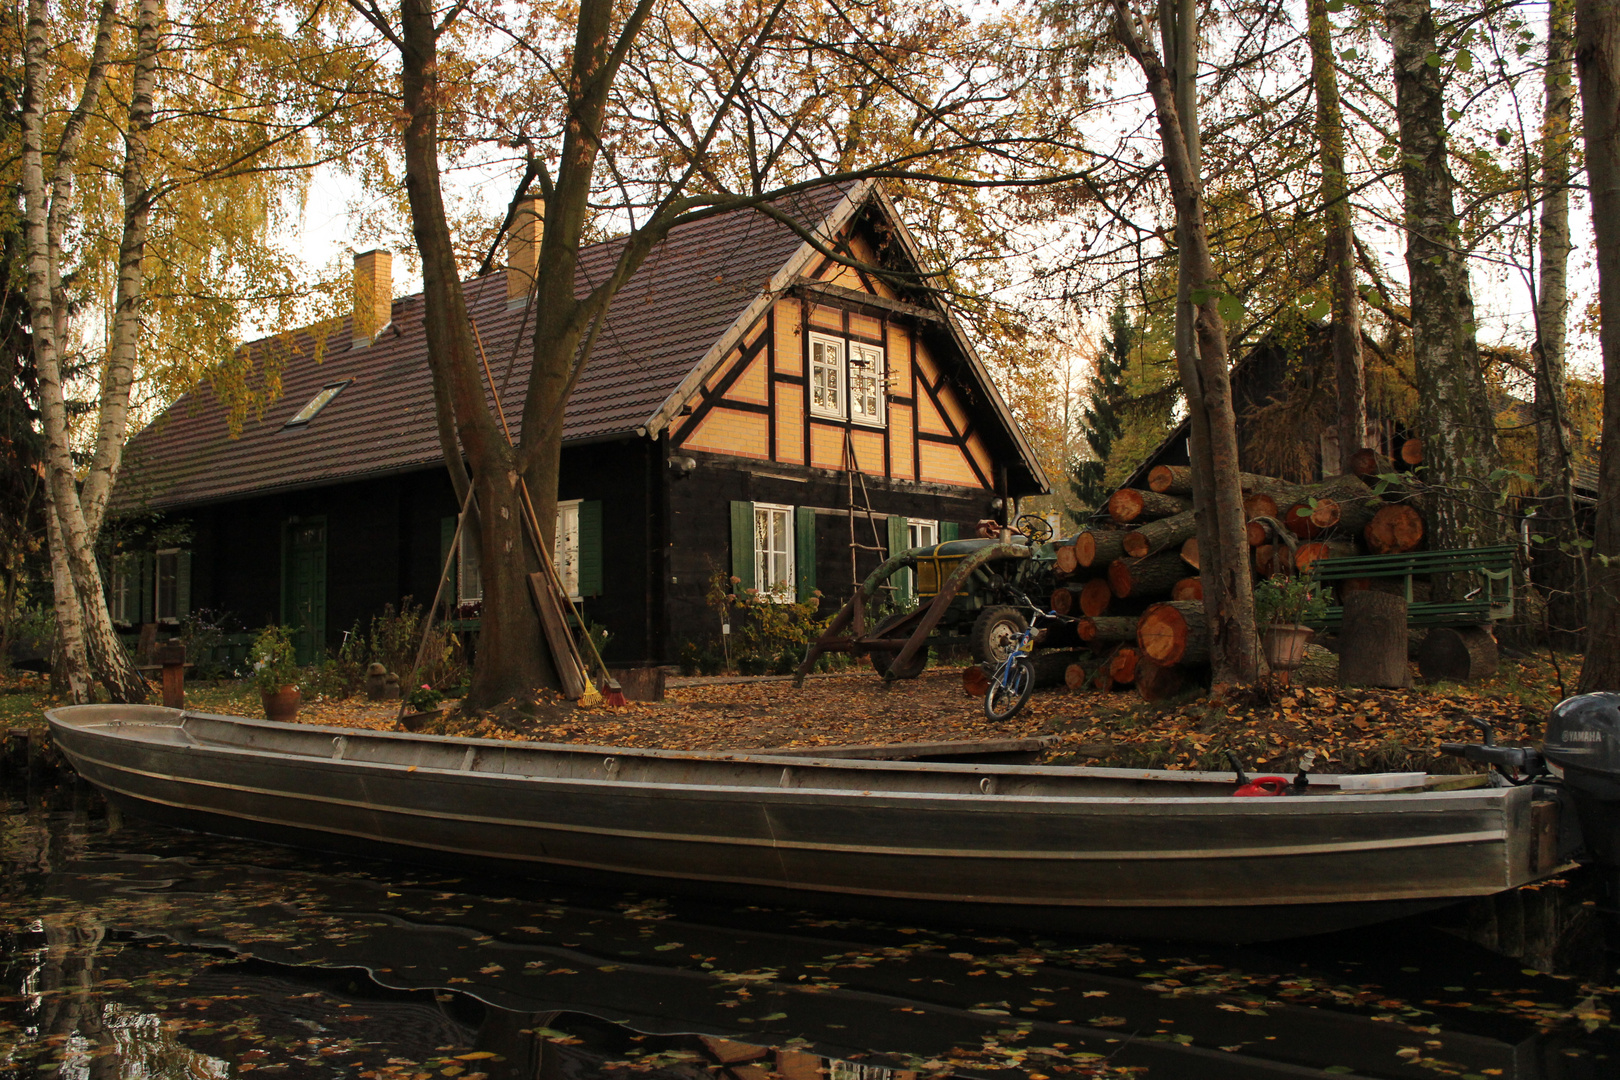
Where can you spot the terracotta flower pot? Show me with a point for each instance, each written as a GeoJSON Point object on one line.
{"type": "Point", "coordinates": [1285, 645]}
{"type": "Point", "coordinates": [283, 704]}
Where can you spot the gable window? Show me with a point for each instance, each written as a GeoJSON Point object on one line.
{"type": "Point", "coordinates": [865, 383]}
{"type": "Point", "coordinates": [826, 375]}
{"type": "Point", "coordinates": [317, 403]}
{"type": "Point", "coordinates": [566, 548]}
{"type": "Point", "coordinates": [773, 550]}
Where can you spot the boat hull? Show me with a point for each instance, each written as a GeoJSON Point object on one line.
{"type": "Point", "coordinates": [996, 845]}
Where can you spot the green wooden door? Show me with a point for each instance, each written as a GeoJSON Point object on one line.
{"type": "Point", "coordinates": [303, 586]}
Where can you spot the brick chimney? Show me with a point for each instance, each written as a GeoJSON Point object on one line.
{"type": "Point", "coordinates": [373, 295]}
{"type": "Point", "coordinates": [523, 249]}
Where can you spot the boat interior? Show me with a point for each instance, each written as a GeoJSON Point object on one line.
{"type": "Point", "coordinates": [153, 725]}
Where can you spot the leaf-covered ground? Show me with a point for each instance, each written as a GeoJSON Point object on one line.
{"type": "Point", "coordinates": [1271, 727]}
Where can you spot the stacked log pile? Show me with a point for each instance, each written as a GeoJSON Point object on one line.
{"type": "Point", "coordinates": [1133, 584]}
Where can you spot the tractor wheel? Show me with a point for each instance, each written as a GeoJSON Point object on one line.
{"type": "Point", "coordinates": [995, 634]}
{"type": "Point", "coordinates": [883, 660]}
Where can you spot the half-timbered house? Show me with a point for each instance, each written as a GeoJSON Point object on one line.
{"type": "Point", "coordinates": [752, 408]}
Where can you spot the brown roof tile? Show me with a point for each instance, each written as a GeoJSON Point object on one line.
{"type": "Point", "coordinates": [690, 289]}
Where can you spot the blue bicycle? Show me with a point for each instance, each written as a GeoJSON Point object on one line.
{"type": "Point", "coordinates": [1013, 678]}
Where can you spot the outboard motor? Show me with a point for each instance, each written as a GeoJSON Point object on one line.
{"type": "Point", "coordinates": [1582, 745]}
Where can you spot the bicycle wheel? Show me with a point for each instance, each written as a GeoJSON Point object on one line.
{"type": "Point", "coordinates": [1009, 689]}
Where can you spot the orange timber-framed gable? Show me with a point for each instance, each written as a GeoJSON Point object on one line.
{"type": "Point", "coordinates": [755, 403]}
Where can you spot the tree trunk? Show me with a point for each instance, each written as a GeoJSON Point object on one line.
{"type": "Point", "coordinates": [1372, 643]}
{"type": "Point", "coordinates": [107, 658]}
{"type": "Point", "coordinates": [1149, 577]}
{"type": "Point", "coordinates": [1561, 566]}
{"type": "Point", "coordinates": [1394, 528]}
{"type": "Point", "coordinates": [1161, 535]}
{"type": "Point", "coordinates": [72, 662]}
{"type": "Point", "coordinates": [1099, 547]}
{"type": "Point", "coordinates": [1460, 654]}
{"type": "Point", "coordinates": [1174, 633]}
{"type": "Point", "coordinates": [1101, 629]}
{"type": "Point", "coordinates": [1339, 240]}
{"type": "Point", "coordinates": [1455, 420]}
{"type": "Point", "coordinates": [511, 661]}
{"type": "Point", "coordinates": [1131, 505]}
{"type": "Point", "coordinates": [1597, 54]}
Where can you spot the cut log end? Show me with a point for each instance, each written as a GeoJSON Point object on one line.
{"type": "Point", "coordinates": [1095, 596]}
{"type": "Point", "coordinates": [1074, 677]}
{"type": "Point", "coordinates": [1394, 528]}
{"type": "Point", "coordinates": [1412, 451]}
{"type": "Point", "coordinates": [1122, 665]}
{"type": "Point", "coordinates": [975, 682]}
{"type": "Point", "coordinates": [1369, 462]}
{"type": "Point", "coordinates": [1062, 600]}
{"type": "Point", "coordinates": [1188, 588]}
{"type": "Point", "coordinates": [1066, 561]}
{"type": "Point", "coordinates": [1461, 654]}
{"type": "Point", "coordinates": [1189, 553]}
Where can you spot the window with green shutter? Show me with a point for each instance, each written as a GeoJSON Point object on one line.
{"type": "Point", "coordinates": [949, 530]}
{"type": "Point", "coordinates": [742, 545]}
{"type": "Point", "coordinates": [899, 542]}
{"type": "Point", "coordinates": [590, 547]}
{"type": "Point", "coordinates": [804, 551]}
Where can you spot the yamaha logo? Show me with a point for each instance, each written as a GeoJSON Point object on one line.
{"type": "Point", "coordinates": [1582, 736]}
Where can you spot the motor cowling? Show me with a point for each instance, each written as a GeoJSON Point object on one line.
{"type": "Point", "coordinates": [1582, 744]}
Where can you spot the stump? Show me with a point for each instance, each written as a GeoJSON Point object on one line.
{"type": "Point", "coordinates": [1174, 633]}
{"type": "Point", "coordinates": [1161, 535]}
{"type": "Point", "coordinates": [1462, 654]}
{"type": "Point", "coordinates": [1129, 505]}
{"type": "Point", "coordinates": [1122, 665]}
{"type": "Point", "coordinates": [1156, 682]}
{"type": "Point", "coordinates": [1372, 641]}
{"type": "Point", "coordinates": [1099, 547]}
{"type": "Point", "coordinates": [1095, 596]}
{"type": "Point", "coordinates": [1394, 528]}
{"type": "Point", "coordinates": [1101, 629]}
{"type": "Point", "coordinates": [1155, 575]}
{"type": "Point", "coordinates": [1188, 588]}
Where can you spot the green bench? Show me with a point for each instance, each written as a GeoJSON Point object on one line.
{"type": "Point", "coordinates": [1490, 601]}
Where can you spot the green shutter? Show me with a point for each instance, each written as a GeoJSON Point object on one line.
{"type": "Point", "coordinates": [742, 544]}
{"type": "Point", "coordinates": [804, 551]}
{"type": "Point", "coordinates": [590, 548]}
{"type": "Point", "coordinates": [148, 584]}
{"type": "Point", "coordinates": [182, 584]}
{"type": "Point", "coordinates": [447, 538]}
{"type": "Point", "coordinates": [899, 541]}
{"type": "Point", "coordinates": [948, 530]}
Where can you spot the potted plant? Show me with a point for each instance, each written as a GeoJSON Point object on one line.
{"type": "Point", "coordinates": [275, 673]}
{"type": "Point", "coordinates": [1281, 607]}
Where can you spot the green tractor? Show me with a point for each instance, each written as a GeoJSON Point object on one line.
{"type": "Point", "coordinates": [969, 592]}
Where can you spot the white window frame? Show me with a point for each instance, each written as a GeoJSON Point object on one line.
{"type": "Point", "coordinates": [914, 532]}
{"type": "Point", "coordinates": [120, 592]}
{"type": "Point", "coordinates": [839, 375]}
{"type": "Point", "coordinates": [159, 557]}
{"type": "Point", "coordinates": [873, 383]}
{"type": "Point", "coordinates": [565, 552]}
{"type": "Point", "coordinates": [469, 566]}
{"type": "Point", "coordinates": [784, 588]}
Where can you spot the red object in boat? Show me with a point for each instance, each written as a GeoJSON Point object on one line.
{"type": "Point", "coordinates": [1264, 785]}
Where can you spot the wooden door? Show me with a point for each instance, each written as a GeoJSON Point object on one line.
{"type": "Point", "coordinates": [303, 590]}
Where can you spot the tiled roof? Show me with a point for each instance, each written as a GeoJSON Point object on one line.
{"type": "Point", "coordinates": [688, 292]}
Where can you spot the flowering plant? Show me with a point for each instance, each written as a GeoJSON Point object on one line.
{"type": "Point", "coordinates": [275, 661]}
{"type": "Point", "coordinates": [423, 698]}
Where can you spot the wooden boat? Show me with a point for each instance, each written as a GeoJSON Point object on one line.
{"type": "Point", "coordinates": [1087, 850]}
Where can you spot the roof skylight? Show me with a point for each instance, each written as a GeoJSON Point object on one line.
{"type": "Point", "coordinates": [317, 403]}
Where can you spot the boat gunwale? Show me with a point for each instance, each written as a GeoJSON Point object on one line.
{"type": "Point", "coordinates": [1341, 802]}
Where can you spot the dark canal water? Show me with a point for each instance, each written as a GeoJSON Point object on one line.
{"type": "Point", "coordinates": [133, 952]}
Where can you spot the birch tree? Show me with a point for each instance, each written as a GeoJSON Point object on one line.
{"type": "Point", "coordinates": [1455, 419]}
{"type": "Point", "coordinates": [1597, 56]}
